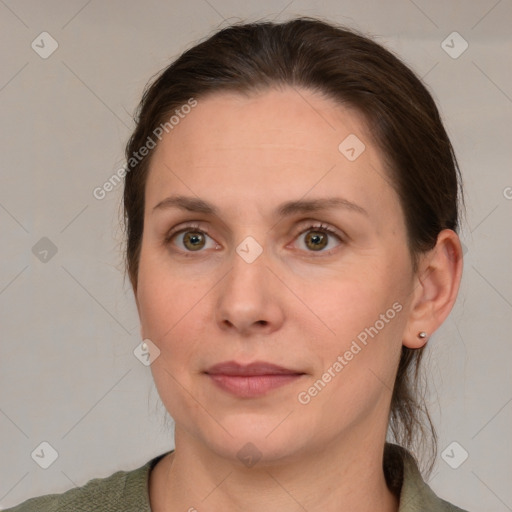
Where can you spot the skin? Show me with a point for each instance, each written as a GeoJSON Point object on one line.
{"type": "Point", "coordinates": [293, 306]}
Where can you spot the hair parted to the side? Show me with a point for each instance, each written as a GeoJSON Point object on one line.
{"type": "Point", "coordinates": [353, 70]}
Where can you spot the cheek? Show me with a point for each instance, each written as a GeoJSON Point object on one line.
{"type": "Point", "coordinates": [351, 301]}
{"type": "Point", "coordinates": [366, 313]}
{"type": "Point", "coordinates": [173, 314]}
{"type": "Point", "coordinates": [167, 318]}
{"type": "Point", "coordinates": [164, 298]}
{"type": "Point", "coordinates": [357, 364]}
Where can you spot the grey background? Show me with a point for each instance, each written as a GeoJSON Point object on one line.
{"type": "Point", "coordinates": [69, 325]}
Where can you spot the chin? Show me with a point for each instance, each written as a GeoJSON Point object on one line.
{"type": "Point", "coordinates": [261, 452]}
{"type": "Point", "coordinates": [257, 440]}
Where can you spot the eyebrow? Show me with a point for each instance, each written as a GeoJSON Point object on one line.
{"type": "Point", "coordinates": [197, 205]}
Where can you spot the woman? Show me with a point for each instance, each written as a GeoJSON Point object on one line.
{"type": "Point", "coordinates": [291, 206]}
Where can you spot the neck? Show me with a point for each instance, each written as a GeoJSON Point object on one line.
{"type": "Point", "coordinates": [346, 476]}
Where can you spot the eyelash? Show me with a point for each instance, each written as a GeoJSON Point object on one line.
{"type": "Point", "coordinates": [312, 227]}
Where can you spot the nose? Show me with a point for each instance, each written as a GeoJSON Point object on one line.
{"type": "Point", "coordinates": [249, 298]}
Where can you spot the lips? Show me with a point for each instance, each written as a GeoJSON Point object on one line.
{"type": "Point", "coordinates": [252, 369]}
{"type": "Point", "coordinates": [252, 380]}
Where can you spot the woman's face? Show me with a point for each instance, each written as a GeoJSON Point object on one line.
{"type": "Point", "coordinates": [276, 281]}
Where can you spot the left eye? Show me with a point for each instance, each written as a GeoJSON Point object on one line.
{"type": "Point", "coordinates": [317, 239]}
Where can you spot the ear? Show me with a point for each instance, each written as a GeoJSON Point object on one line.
{"type": "Point", "coordinates": [435, 289]}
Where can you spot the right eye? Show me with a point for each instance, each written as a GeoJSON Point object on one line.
{"type": "Point", "coordinates": [191, 239]}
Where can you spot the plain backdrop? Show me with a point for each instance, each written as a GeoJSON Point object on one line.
{"type": "Point", "coordinates": [68, 322]}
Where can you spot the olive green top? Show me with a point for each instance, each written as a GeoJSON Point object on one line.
{"type": "Point", "coordinates": [127, 491]}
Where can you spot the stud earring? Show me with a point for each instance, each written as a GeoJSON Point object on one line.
{"type": "Point", "coordinates": [422, 335]}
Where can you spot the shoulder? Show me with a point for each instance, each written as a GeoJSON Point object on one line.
{"type": "Point", "coordinates": [415, 494]}
{"type": "Point", "coordinates": [120, 492]}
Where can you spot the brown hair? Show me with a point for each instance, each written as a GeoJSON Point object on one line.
{"type": "Point", "coordinates": [353, 70]}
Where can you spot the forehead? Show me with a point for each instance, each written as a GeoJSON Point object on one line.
{"type": "Point", "coordinates": [273, 144]}
{"type": "Point", "coordinates": [292, 118]}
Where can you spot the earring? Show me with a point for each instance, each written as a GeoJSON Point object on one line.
{"type": "Point", "coordinates": [422, 335]}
